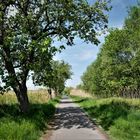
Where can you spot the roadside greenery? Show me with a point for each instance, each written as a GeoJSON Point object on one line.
{"type": "Point", "coordinates": [17, 126]}
{"type": "Point", "coordinates": [120, 118]}
{"type": "Point", "coordinates": [116, 71]}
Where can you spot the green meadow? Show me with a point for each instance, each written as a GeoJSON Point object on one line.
{"type": "Point", "coordinates": [119, 117]}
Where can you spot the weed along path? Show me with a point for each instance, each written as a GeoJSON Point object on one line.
{"type": "Point", "coordinates": [70, 123]}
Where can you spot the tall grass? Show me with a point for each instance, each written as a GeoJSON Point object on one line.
{"type": "Point", "coordinates": [17, 126]}
{"type": "Point", "coordinates": [119, 117]}
{"type": "Point", "coordinates": [35, 96]}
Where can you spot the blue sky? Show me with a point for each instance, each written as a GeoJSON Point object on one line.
{"type": "Point", "coordinates": [82, 54]}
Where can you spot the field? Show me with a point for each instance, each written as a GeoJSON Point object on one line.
{"type": "Point", "coordinates": [119, 117]}
{"type": "Point", "coordinates": [76, 92]}
{"type": "Point", "coordinates": [16, 126]}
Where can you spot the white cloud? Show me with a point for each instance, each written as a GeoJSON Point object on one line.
{"type": "Point", "coordinates": [86, 55]}
{"type": "Point", "coordinates": [74, 81]}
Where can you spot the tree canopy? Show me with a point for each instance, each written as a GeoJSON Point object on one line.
{"type": "Point", "coordinates": [116, 70]}
{"type": "Point", "coordinates": [54, 78]}
{"type": "Point", "coordinates": [28, 29]}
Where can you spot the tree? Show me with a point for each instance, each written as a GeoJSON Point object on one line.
{"type": "Point", "coordinates": [116, 68]}
{"type": "Point", "coordinates": [112, 70]}
{"type": "Point", "coordinates": [54, 78]}
{"type": "Point", "coordinates": [25, 24]}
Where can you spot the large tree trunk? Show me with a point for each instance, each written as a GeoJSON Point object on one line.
{"type": "Point", "coordinates": [19, 87]}
{"type": "Point", "coordinates": [21, 93]}
{"type": "Point", "coordinates": [50, 92]}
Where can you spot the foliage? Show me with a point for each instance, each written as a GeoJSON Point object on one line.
{"type": "Point", "coordinates": [28, 29]}
{"type": "Point", "coordinates": [54, 78]}
{"type": "Point", "coordinates": [67, 90]}
{"type": "Point", "coordinates": [80, 86]}
{"type": "Point", "coordinates": [119, 117]}
{"type": "Point", "coordinates": [116, 69]}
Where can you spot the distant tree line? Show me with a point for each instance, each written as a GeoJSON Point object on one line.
{"type": "Point", "coordinates": [116, 71]}
{"type": "Point", "coordinates": [53, 77]}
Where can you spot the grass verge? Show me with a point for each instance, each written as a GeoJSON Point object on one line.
{"type": "Point", "coordinates": [17, 126]}
{"type": "Point", "coordinates": [120, 118]}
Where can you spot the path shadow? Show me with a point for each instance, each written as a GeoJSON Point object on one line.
{"type": "Point", "coordinates": [69, 117]}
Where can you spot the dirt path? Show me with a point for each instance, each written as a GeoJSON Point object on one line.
{"type": "Point", "coordinates": [72, 124]}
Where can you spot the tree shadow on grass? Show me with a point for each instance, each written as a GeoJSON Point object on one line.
{"type": "Point", "coordinates": [106, 114]}
{"type": "Point", "coordinates": [56, 100]}
{"type": "Point", "coordinates": [38, 114]}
